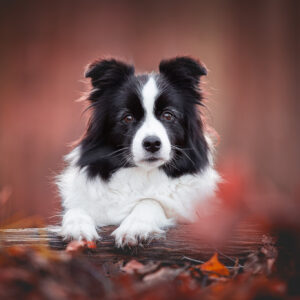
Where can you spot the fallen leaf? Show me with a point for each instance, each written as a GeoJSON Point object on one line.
{"type": "Point", "coordinates": [163, 274]}
{"type": "Point", "coordinates": [132, 266]}
{"type": "Point", "coordinates": [78, 246]}
{"type": "Point", "coordinates": [214, 267]}
{"type": "Point", "coordinates": [75, 246]}
{"type": "Point", "coordinates": [150, 267]}
{"type": "Point", "coordinates": [91, 245]}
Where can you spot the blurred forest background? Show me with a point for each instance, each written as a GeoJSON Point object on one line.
{"type": "Point", "coordinates": [251, 49]}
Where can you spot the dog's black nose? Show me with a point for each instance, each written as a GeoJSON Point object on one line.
{"type": "Point", "coordinates": [151, 143]}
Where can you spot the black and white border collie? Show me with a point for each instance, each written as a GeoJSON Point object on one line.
{"type": "Point", "coordinates": [145, 160]}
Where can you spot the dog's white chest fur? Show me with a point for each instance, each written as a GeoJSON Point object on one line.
{"type": "Point", "coordinates": [91, 203]}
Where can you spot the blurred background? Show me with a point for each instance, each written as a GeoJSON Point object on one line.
{"type": "Point", "coordinates": [251, 49]}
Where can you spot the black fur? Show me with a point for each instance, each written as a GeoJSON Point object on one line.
{"type": "Point", "coordinates": [116, 91]}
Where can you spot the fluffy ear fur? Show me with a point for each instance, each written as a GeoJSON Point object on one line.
{"type": "Point", "coordinates": [107, 73]}
{"type": "Point", "coordinates": [106, 76]}
{"type": "Point", "coordinates": [184, 72]}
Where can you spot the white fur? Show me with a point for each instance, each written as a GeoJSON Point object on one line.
{"type": "Point", "coordinates": [145, 222]}
{"type": "Point", "coordinates": [78, 224]}
{"type": "Point", "coordinates": [143, 201]}
{"type": "Point", "coordinates": [151, 127]}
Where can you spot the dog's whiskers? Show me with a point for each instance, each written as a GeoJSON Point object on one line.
{"type": "Point", "coordinates": [116, 153]}
{"type": "Point", "coordinates": [171, 163]}
{"type": "Point", "coordinates": [183, 152]}
{"type": "Point", "coordinates": [127, 159]}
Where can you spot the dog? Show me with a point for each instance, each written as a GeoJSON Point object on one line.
{"type": "Point", "coordinates": [145, 161]}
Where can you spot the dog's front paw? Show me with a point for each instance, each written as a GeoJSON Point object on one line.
{"type": "Point", "coordinates": [136, 234]}
{"type": "Point", "coordinates": [78, 226]}
{"type": "Point", "coordinates": [79, 231]}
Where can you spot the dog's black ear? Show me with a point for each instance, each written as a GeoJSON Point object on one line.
{"type": "Point", "coordinates": [108, 73]}
{"type": "Point", "coordinates": [183, 71]}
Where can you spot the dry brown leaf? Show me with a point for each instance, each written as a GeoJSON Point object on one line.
{"type": "Point", "coordinates": [75, 246]}
{"type": "Point", "coordinates": [132, 266]}
{"type": "Point", "coordinates": [163, 274]}
{"type": "Point", "coordinates": [78, 246]}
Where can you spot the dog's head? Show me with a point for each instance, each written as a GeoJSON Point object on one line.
{"type": "Point", "coordinates": [148, 121]}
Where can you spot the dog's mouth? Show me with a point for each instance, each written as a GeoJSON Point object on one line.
{"type": "Point", "coordinates": [151, 159]}
{"type": "Point", "coordinates": [151, 162]}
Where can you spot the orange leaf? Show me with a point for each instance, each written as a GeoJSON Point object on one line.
{"type": "Point", "coordinates": [214, 267]}
{"type": "Point", "coordinates": [91, 244]}
{"type": "Point", "coordinates": [76, 246]}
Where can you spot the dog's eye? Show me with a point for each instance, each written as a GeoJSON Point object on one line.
{"type": "Point", "coordinates": [167, 116]}
{"type": "Point", "coordinates": [128, 118]}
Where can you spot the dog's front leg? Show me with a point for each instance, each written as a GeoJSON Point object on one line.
{"type": "Point", "coordinates": [78, 224]}
{"type": "Point", "coordinates": [147, 221]}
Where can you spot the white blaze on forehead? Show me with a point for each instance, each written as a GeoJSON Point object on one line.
{"type": "Point", "coordinates": [149, 94]}
{"type": "Point", "coordinates": [150, 126]}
